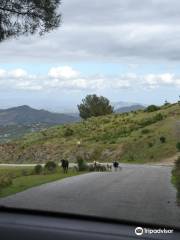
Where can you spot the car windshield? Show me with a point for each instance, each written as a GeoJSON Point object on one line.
{"type": "Point", "coordinates": [90, 108]}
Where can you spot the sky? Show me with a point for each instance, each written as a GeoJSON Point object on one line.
{"type": "Point", "coordinates": [124, 50]}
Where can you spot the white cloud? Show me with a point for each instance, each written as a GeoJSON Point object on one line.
{"type": "Point", "coordinates": [2, 73]}
{"type": "Point", "coordinates": [67, 78]}
{"type": "Point", "coordinates": [18, 73]}
{"type": "Point", "coordinates": [63, 72]}
{"type": "Point", "coordinates": [156, 80]}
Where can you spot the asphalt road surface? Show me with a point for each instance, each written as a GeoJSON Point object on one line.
{"type": "Point", "coordinates": [136, 192]}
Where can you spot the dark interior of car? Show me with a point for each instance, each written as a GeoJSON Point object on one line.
{"type": "Point", "coordinates": [29, 225]}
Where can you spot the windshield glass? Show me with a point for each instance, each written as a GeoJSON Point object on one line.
{"type": "Point", "coordinates": [90, 108]}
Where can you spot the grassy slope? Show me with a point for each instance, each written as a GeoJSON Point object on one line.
{"type": "Point", "coordinates": [21, 183]}
{"type": "Point", "coordinates": [119, 136]}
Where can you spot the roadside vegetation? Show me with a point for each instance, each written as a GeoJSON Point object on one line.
{"type": "Point", "coordinates": [176, 178]}
{"type": "Point", "coordinates": [17, 179]}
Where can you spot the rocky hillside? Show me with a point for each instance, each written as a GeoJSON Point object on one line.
{"type": "Point", "coordinates": [129, 137]}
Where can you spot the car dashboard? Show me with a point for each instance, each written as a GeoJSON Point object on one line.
{"type": "Point", "coordinates": [29, 225]}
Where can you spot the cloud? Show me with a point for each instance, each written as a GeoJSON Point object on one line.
{"type": "Point", "coordinates": [67, 78]}
{"type": "Point", "coordinates": [126, 31]}
{"type": "Point", "coordinates": [18, 73]}
{"type": "Point", "coordinates": [165, 79]}
{"type": "Point", "coordinates": [63, 72]}
{"type": "Point", "coordinates": [2, 73]}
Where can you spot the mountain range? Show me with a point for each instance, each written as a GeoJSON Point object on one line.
{"type": "Point", "coordinates": [25, 115]}
{"type": "Point", "coordinates": [18, 121]}
{"type": "Point", "coordinates": [129, 108]}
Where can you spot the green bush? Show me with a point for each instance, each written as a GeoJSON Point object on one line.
{"type": "Point", "coordinates": [158, 117]}
{"type": "Point", "coordinates": [82, 165]}
{"type": "Point", "coordinates": [152, 108]}
{"type": "Point", "coordinates": [50, 166]}
{"type": "Point", "coordinates": [5, 181]}
{"type": "Point", "coordinates": [145, 131]}
{"type": "Point", "coordinates": [176, 177]}
{"type": "Point", "coordinates": [68, 132]}
{"type": "Point", "coordinates": [147, 121]}
{"type": "Point", "coordinates": [162, 139]}
{"type": "Point", "coordinates": [38, 169]}
{"type": "Point", "coordinates": [150, 144]}
{"type": "Point", "coordinates": [178, 146]}
{"type": "Point", "coordinates": [177, 163]}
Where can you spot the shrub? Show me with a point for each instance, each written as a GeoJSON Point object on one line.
{"type": "Point", "coordinates": [176, 175]}
{"type": "Point", "coordinates": [178, 146]}
{"type": "Point", "coordinates": [50, 166]}
{"type": "Point", "coordinates": [145, 131]}
{"type": "Point", "coordinates": [162, 139]}
{"type": "Point", "coordinates": [147, 121]}
{"type": "Point", "coordinates": [177, 163]}
{"type": "Point", "coordinates": [158, 117]}
{"type": "Point", "coordinates": [152, 108]}
{"type": "Point", "coordinates": [38, 169]}
{"type": "Point", "coordinates": [82, 165]}
{"type": "Point", "coordinates": [5, 181]}
{"type": "Point", "coordinates": [44, 134]}
{"type": "Point", "coordinates": [68, 132]}
{"type": "Point", "coordinates": [150, 144]}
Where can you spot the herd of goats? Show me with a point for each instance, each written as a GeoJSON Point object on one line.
{"type": "Point", "coordinates": [95, 166]}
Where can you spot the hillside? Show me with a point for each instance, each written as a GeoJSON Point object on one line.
{"type": "Point", "coordinates": [18, 121]}
{"type": "Point", "coordinates": [25, 115]}
{"type": "Point", "coordinates": [128, 137]}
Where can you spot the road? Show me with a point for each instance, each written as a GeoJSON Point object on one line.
{"type": "Point", "coordinates": [137, 192]}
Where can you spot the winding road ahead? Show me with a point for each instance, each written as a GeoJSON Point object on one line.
{"type": "Point", "coordinates": [141, 193]}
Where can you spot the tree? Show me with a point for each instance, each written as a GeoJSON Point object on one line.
{"type": "Point", "coordinates": [152, 108]}
{"type": "Point", "coordinates": [166, 103]}
{"type": "Point", "coordinates": [93, 106]}
{"type": "Point", "coordinates": [28, 17]}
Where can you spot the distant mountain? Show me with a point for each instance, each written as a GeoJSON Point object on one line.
{"type": "Point", "coordinates": [129, 108]}
{"type": "Point", "coordinates": [121, 104]}
{"type": "Point", "coordinates": [25, 115]}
